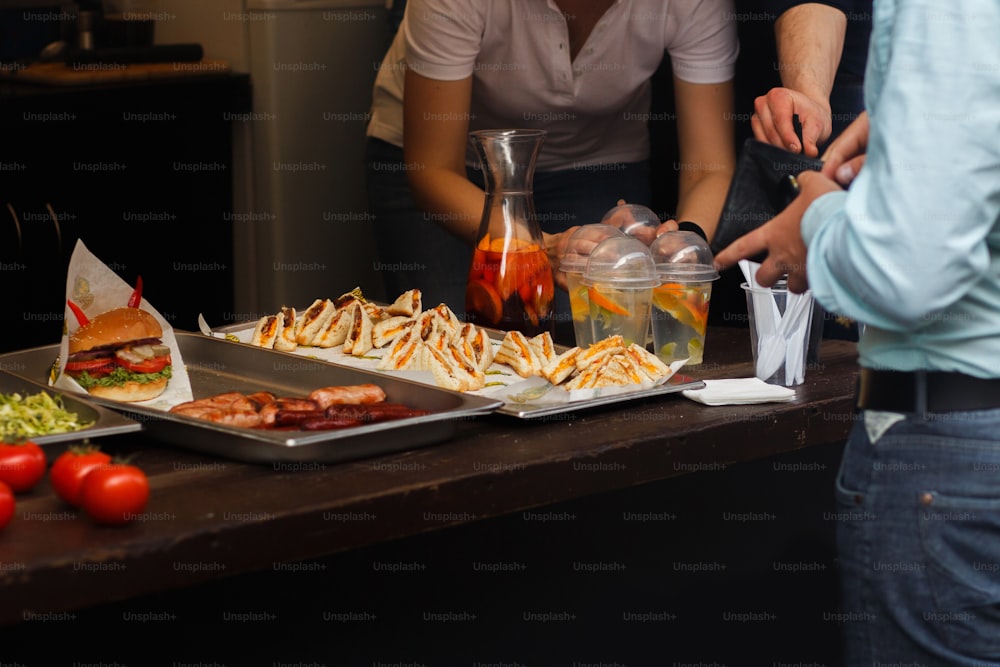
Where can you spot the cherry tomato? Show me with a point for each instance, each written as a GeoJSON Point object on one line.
{"type": "Point", "coordinates": [70, 467]}
{"type": "Point", "coordinates": [114, 493]}
{"type": "Point", "coordinates": [22, 465]}
{"type": "Point", "coordinates": [154, 365]}
{"type": "Point", "coordinates": [6, 504]}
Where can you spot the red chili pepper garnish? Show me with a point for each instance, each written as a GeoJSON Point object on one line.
{"type": "Point", "coordinates": [136, 298]}
{"type": "Point", "coordinates": [80, 317]}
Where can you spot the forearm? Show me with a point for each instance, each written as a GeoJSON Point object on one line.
{"type": "Point", "coordinates": [435, 127]}
{"type": "Point", "coordinates": [810, 40]}
{"type": "Point", "coordinates": [705, 140]}
{"type": "Point", "coordinates": [701, 197]}
{"type": "Point", "coordinates": [449, 199]}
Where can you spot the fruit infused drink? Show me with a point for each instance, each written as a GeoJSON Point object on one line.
{"type": "Point", "coordinates": [573, 263]}
{"type": "Point", "coordinates": [680, 317]}
{"type": "Point", "coordinates": [510, 289]}
{"type": "Point", "coordinates": [619, 278]}
{"type": "Point", "coordinates": [616, 311]}
{"type": "Point", "coordinates": [579, 308]}
{"type": "Point", "coordinates": [510, 282]}
{"type": "Point", "coordinates": [681, 299]}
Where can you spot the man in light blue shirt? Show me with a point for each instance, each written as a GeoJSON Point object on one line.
{"type": "Point", "coordinates": [912, 251]}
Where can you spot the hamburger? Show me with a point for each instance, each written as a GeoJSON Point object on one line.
{"type": "Point", "coordinates": [119, 355]}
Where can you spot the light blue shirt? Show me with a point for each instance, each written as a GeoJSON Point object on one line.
{"type": "Point", "coordinates": [912, 249]}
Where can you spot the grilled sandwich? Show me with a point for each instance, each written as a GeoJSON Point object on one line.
{"type": "Point", "coordinates": [314, 320]}
{"type": "Point", "coordinates": [516, 352]}
{"type": "Point", "coordinates": [285, 340]}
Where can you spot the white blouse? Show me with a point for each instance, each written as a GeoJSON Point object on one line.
{"type": "Point", "coordinates": [594, 108]}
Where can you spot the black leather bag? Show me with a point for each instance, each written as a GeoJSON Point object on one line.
{"type": "Point", "coordinates": [760, 189]}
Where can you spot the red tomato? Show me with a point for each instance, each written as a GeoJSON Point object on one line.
{"type": "Point", "coordinates": [69, 469]}
{"type": "Point", "coordinates": [154, 365]}
{"type": "Point", "coordinates": [22, 465]}
{"type": "Point", "coordinates": [6, 505]}
{"type": "Point", "coordinates": [94, 367]}
{"type": "Point", "coordinates": [114, 493]}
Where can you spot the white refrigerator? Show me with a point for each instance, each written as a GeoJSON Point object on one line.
{"type": "Point", "coordinates": [301, 226]}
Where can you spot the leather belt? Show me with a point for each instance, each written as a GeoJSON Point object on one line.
{"type": "Point", "coordinates": [926, 391]}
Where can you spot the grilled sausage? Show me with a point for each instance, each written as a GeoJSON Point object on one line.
{"type": "Point", "coordinates": [348, 394]}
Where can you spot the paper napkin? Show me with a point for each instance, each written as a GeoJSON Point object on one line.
{"type": "Point", "coordinates": [739, 391]}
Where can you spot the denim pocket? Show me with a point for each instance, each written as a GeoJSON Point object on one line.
{"type": "Point", "coordinates": [961, 540]}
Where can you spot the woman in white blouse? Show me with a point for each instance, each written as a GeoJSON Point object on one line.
{"type": "Point", "coordinates": [579, 69]}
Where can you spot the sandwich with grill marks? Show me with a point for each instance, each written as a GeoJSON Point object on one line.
{"type": "Point", "coordinates": [561, 366]}
{"type": "Point", "coordinates": [406, 304]}
{"type": "Point", "coordinates": [286, 338]}
{"type": "Point", "coordinates": [543, 346]}
{"type": "Point", "coordinates": [404, 353]}
{"type": "Point", "coordinates": [595, 352]}
{"type": "Point", "coordinates": [336, 330]}
{"type": "Point", "coordinates": [452, 370]}
{"type": "Point", "coordinates": [314, 320]}
{"type": "Point", "coordinates": [385, 331]}
{"type": "Point", "coordinates": [267, 330]}
{"type": "Point", "coordinates": [650, 364]}
{"type": "Point", "coordinates": [359, 339]}
{"type": "Point", "coordinates": [482, 348]}
{"type": "Point", "coordinates": [516, 352]}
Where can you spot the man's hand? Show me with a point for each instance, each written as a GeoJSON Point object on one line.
{"type": "Point", "coordinates": [772, 120]}
{"type": "Point", "coordinates": [781, 238]}
{"type": "Point", "coordinates": [845, 156]}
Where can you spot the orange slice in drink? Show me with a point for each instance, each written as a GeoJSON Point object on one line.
{"type": "Point", "coordinates": [604, 302]}
{"type": "Point", "coordinates": [686, 306]}
{"type": "Point", "coordinates": [483, 299]}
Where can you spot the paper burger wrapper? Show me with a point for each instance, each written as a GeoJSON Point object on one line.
{"type": "Point", "coordinates": [95, 288]}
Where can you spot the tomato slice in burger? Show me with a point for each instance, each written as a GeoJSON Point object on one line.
{"type": "Point", "coordinates": [94, 367]}
{"type": "Point", "coordinates": [154, 365]}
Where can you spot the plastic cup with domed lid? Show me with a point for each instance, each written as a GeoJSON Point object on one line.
{"type": "Point", "coordinates": [681, 298]}
{"type": "Point", "coordinates": [635, 220]}
{"type": "Point", "coordinates": [573, 264]}
{"type": "Point", "coordinates": [620, 277]}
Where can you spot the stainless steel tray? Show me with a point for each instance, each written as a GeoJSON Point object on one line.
{"type": "Point", "coordinates": [215, 366]}
{"type": "Point", "coordinates": [528, 410]}
{"type": "Point", "coordinates": [105, 421]}
{"type": "Point", "coordinates": [523, 410]}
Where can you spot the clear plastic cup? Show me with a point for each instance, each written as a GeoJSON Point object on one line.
{"type": "Point", "coordinates": [780, 348]}
{"type": "Point", "coordinates": [619, 278]}
{"type": "Point", "coordinates": [679, 313]}
{"type": "Point", "coordinates": [573, 264]}
{"type": "Point", "coordinates": [635, 220]}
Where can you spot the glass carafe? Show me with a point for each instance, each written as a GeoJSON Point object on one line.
{"type": "Point", "coordinates": [510, 284]}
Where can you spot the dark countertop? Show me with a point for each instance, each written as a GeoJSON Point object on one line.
{"type": "Point", "coordinates": [210, 518]}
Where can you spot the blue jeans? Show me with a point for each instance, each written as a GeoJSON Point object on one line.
{"type": "Point", "coordinates": [919, 541]}
{"type": "Point", "coordinates": [415, 252]}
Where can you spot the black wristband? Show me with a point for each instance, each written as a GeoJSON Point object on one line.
{"type": "Point", "coordinates": [688, 226]}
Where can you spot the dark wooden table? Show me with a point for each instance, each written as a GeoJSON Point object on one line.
{"type": "Point", "coordinates": [210, 518]}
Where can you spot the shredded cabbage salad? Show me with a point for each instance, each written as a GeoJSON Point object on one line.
{"type": "Point", "coordinates": [32, 415]}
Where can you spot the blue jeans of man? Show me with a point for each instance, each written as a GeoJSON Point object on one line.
{"type": "Point", "coordinates": [919, 539]}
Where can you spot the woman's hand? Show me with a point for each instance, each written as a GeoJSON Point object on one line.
{"type": "Point", "coordinates": [555, 248]}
